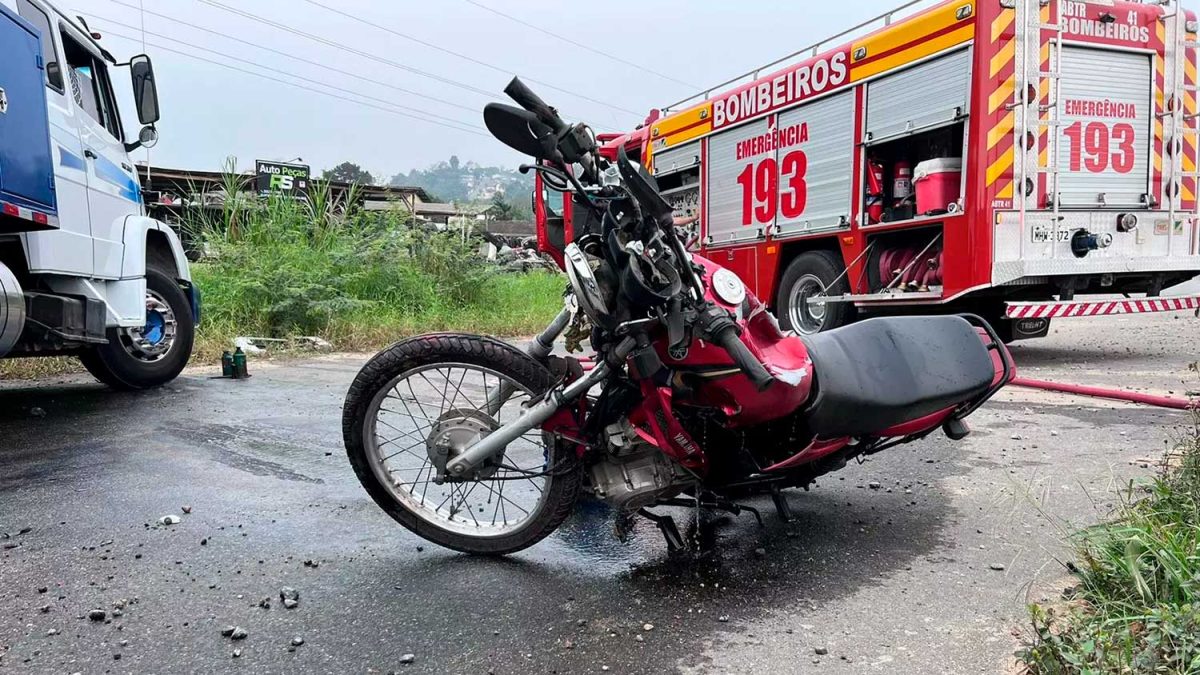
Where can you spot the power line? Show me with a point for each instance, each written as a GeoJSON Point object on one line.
{"type": "Point", "coordinates": [294, 57]}
{"type": "Point", "coordinates": [465, 57]}
{"type": "Point", "coordinates": [419, 111]}
{"type": "Point", "coordinates": [346, 48]}
{"type": "Point", "coordinates": [286, 54]}
{"type": "Point", "coordinates": [296, 85]}
{"type": "Point", "coordinates": [580, 44]}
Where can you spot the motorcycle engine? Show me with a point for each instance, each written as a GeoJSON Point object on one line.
{"type": "Point", "coordinates": [633, 473]}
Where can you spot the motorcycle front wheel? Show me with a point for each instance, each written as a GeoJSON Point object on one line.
{"type": "Point", "coordinates": [422, 400]}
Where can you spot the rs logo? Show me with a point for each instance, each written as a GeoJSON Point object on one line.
{"type": "Point", "coordinates": [3, 101]}
{"type": "Point", "coordinates": [280, 182]}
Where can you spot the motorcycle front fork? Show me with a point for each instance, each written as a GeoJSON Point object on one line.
{"type": "Point", "coordinates": [539, 349]}
{"type": "Point", "coordinates": [465, 463]}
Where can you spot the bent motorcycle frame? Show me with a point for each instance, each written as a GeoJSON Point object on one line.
{"type": "Point", "coordinates": [667, 434]}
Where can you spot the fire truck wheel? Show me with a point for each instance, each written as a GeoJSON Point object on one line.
{"type": "Point", "coordinates": [152, 354]}
{"type": "Point", "coordinates": [813, 274]}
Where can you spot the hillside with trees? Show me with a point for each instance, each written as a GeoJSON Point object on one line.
{"type": "Point", "coordinates": [462, 182]}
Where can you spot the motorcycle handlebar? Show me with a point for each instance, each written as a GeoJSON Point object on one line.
{"type": "Point", "coordinates": [728, 340]}
{"type": "Point", "coordinates": [530, 101]}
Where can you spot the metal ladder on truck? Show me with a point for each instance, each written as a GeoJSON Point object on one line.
{"type": "Point", "coordinates": [1028, 121]}
{"type": "Point", "coordinates": [1178, 123]}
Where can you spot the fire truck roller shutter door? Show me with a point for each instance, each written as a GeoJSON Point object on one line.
{"type": "Point", "coordinates": [814, 171]}
{"type": "Point", "coordinates": [1104, 140]}
{"type": "Point", "coordinates": [673, 159]}
{"type": "Point", "coordinates": [921, 97]}
{"type": "Point", "coordinates": [742, 175]}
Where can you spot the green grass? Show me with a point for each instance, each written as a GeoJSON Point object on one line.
{"type": "Point", "coordinates": [360, 280]}
{"type": "Point", "coordinates": [1136, 608]}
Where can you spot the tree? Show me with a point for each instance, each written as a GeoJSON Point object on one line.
{"type": "Point", "coordinates": [454, 162]}
{"type": "Point", "coordinates": [501, 208]}
{"type": "Point", "coordinates": [349, 172]}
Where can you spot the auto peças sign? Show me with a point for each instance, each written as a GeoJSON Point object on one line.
{"type": "Point", "coordinates": [282, 179]}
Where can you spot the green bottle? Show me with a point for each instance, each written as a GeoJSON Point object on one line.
{"type": "Point", "coordinates": [226, 364]}
{"type": "Point", "coordinates": [239, 363]}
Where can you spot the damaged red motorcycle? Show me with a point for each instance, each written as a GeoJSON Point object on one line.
{"type": "Point", "coordinates": [693, 396]}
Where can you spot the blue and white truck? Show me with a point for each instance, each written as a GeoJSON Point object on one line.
{"type": "Point", "coordinates": [83, 271]}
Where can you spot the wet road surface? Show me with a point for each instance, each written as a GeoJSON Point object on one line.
{"type": "Point", "coordinates": [928, 573]}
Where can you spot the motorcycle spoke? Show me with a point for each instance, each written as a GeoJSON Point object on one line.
{"type": "Point", "coordinates": [420, 401]}
{"type": "Point", "coordinates": [417, 400]}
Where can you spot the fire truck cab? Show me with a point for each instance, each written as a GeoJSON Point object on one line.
{"type": "Point", "coordinates": [1005, 157]}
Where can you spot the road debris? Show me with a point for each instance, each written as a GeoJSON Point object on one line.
{"type": "Point", "coordinates": [170, 519]}
{"type": "Point", "coordinates": [290, 597]}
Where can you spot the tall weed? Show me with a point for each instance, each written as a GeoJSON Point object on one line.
{"type": "Point", "coordinates": [281, 267]}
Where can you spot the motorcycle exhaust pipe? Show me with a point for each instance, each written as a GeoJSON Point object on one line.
{"type": "Point", "coordinates": [12, 310]}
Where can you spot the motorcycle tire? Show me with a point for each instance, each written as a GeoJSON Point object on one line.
{"type": "Point", "coordinates": [562, 488]}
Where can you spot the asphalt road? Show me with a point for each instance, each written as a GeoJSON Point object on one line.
{"type": "Point", "coordinates": [927, 574]}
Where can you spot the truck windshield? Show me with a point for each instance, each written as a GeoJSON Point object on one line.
{"type": "Point", "coordinates": [554, 203]}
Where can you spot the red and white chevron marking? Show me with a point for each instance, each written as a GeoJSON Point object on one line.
{"type": "Point", "coordinates": [1050, 310]}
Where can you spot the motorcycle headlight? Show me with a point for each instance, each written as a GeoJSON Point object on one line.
{"type": "Point", "coordinates": [584, 284]}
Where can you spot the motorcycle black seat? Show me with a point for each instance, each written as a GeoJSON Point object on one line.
{"type": "Point", "coordinates": [882, 372]}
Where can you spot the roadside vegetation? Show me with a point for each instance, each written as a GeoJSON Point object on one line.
{"type": "Point", "coordinates": [359, 279]}
{"type": "Point", "coordinates": [1136, 608]}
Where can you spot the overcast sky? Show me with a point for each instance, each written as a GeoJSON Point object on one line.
{"type": "Point", "coordinates": [211, 112]}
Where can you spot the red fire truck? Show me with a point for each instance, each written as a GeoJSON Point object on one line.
{"type": "Point", "coordinates": [1005, 157]}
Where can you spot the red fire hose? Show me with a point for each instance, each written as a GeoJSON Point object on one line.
{"type": "Point", "coordinates": [1114, 394]}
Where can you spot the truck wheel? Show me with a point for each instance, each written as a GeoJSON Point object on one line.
{"type": "Point", "coordinates": [812, 274]}
{"type": "Point", "coordinates": [152, 354]}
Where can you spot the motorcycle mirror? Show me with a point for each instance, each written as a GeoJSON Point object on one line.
{"type": "Point", "coordinates": [644, 188]}
{"type": "Point", "coordinates": [518, 129]}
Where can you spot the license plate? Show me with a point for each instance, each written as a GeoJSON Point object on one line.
{"type": "Point", "coordinates": [1040, 234]}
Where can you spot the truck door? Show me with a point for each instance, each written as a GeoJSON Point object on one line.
{"type": "Point", "coordinates": [26, 170]}
{"type": "Point", "coordinates": [113, 191]}
{"type": "Point", "coordinates": [67, 250]}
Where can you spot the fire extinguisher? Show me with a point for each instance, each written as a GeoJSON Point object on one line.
{"type": "Point", "coordinates": [874, 191]}
{"type": "Point", "coordinates": [902, 186]}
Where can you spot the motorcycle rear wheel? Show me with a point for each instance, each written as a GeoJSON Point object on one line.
{"type": "Point", "coordinates": [436, 388]}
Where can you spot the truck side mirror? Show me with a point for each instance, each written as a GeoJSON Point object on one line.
{"type": "Point", "coordinates": [145, 89]}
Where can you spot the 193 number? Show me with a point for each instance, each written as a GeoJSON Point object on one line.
{"type": "Point", "coordinates": [761, 195]}
{"type": "Point", "coordinates": [1092, 147]}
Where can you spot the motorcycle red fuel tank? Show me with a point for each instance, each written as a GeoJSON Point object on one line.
{"type": "Point", "coordinates": [707, 376]}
